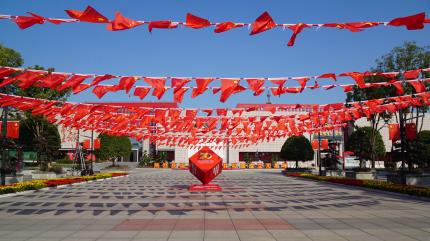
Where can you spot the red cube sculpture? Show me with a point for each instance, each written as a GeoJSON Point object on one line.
{"type": "Point", "coordinates": [205, 165]}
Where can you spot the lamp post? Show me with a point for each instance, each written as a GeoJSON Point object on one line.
{"type": "Point", "coordinates": [4, 146]}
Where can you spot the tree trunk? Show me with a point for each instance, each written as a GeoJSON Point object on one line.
{"type": "Point", "coordinates": [297, 164]}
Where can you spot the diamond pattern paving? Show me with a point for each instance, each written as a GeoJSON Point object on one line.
{"type": "Point", "coordinates": [153, 204]}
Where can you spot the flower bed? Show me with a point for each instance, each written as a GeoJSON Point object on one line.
{"type": "Point", "coordinates": [385, 186]}
{"type": "Point", "coordinates": [38, 184]}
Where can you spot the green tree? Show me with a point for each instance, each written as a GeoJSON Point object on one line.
{"type": "Point", "coordinates": [37, 134]}
{"type": "Point", "coordinates": [10, 57]}
{"type": "Point", "coordinates": [112, 147]}
{"type": "Point", "coordinates": [360, 143]}
{"type": "Point", "coordinates": [297, 148]}
{"type": "Point", "coordinates": [407, 57]}
{"type": "Point", "coordinates": [419, 150]}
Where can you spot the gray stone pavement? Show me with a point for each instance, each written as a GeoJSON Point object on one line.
{"type": "Point", "coordinates": [153, 204]}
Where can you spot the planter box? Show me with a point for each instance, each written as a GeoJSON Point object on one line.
{"type": "Point", "coordinates": [411, 179]}
{"type": "Point", "coordinates": [43, 175]}
{"type": "Point", "coordinates": [361, 175]}
{"type": "Point", "coordinates": [14, 179]}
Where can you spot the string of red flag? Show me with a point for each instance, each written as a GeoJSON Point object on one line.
{"type": "Point", "coordinates": [261, 24]}
{"type": "Point", "coordinates": [185, 127]}
{"type": "Point", "coordinates": [25, 78]}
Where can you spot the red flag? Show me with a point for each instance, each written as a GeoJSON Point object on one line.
{"type": "Point", "coordinates": [196, 22]}
{"type": "Point", "coordinates": [413, 22]}
{"type": "Point", "coordinates": [276, 91]}
{"type": "Point", "coordinates": [324, 144]}
{"type": "Point", "coordinates": [297, 28]}
{"type": "Point", "coordinates": [225, 26]}
{"type": "Point", "coordinates": [328, 75]}
{"type": "Point", "coordinates": [53, 80]}
{"type": "Point", "coordinates": [89, 15]}
{"type": "Point", "coordinates": [411, 131]}
{"type": "Point", "coordinates": [360, 25]}
{"type": "Point", "coordinates": [347, 88]}
{"type": "Point", "coordinates": [418, 86]}
{"type": "Point", "coordinates": [126, 83]}
{"type": "Point", "coordinates": [86, 144]}
{"type": "Point", "coordinates": [221, 112]}
{"type": "Point", "coordinates": [327, 87]}
{"type": "Point", "coordinates": [358, 77]}
{"type": "Point", "coordinates": [394, 132]}
{"type": "Point", "coordinates": [263, 23]}
{"type": "Point", "coordinates": [6, 71]}
{"type": "Point", "coordinates": [122, 23]}
{"type": "Point", "coordinates": [179, 82]}
{"type": "Point", "coordinates": [100, 78]}
{"type": "Point", "coordinates": [12, 129]}
{"type": "Point", "coordinates": [302, 81]}
{"type": "Point", "coordinates": [29, 77]}
{"type": "Point", "coordinates": [280, 82]}
{"type": "Point", "coordinates": [202, 86]}
{"type": "Point", "coordinates": [228, 87]}
{"type": "Point", "coordinates": [79, 88]}
{"type": "Point", "coordinates": [399, 88]}
{"type": "Point", "coordinates": [96, 143]}
{"type": "Point", "coordinates": [156, 83]}
{"type": "Point", "coordinates": [101, 90]}
{"type": "Point", "coordinates": [255, 85]}
{"type": "Point", "coordinates": [412, 74]}
{"type": "Point", "coordinates": [24, 22]}
{"type": "Point", "coordinates": [314, 144]}
{"type": "Point", "coordinates": [161, 24]}
{"type": "Point", "coordinates": [74, 81]}
{"type": "Point", "coordinates": [315, 86]}
{"type": "Point", "coordinates": [342, 26]}
{"type": "Point", "coordinates": [178, 94]}
{"type": "Point", "coordinates": [292, 90]}
{"type": "Point", "coordinates": [159, 92]}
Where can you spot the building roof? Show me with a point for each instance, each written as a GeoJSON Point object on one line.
{"type": "Point", "coordinates": [140, 104]}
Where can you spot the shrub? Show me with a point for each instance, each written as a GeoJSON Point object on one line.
{"type": "Point", "coordinates": [374, 184]}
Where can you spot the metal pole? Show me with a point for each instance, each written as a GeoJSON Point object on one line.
{"type": "Point", "coordinates": [92, 148]}
{"type": "Point", "coordinates": [319, 154]}
{"type": "Point", "coordinates": [402, 145]}
{"type": "Point", "coordinates": [4, 143]}
{"type": "Point", "coordinates": [228, 152]}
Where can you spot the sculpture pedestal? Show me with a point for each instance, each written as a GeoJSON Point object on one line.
{"type": "Point", "coordinates": [204, 188]}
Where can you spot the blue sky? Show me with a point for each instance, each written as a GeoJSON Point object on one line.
{"type": "Point", "coordinates": [90, 48]}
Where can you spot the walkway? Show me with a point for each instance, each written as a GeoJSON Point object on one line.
{"type": "Point", "coordinates": [254, 205]}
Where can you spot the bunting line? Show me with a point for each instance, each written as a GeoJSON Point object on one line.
{"type": "Point", "coordinates": [263, 23]}
{"type": "Point", "coordinates": [25, 78]}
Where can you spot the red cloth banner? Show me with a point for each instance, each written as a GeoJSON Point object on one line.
{"type": "Point", "coordinates": [411, 131]}
{"type": "Point", "coordinates": [394, 132]}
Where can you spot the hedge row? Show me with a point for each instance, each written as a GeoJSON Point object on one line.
{"type": "Point", "coordinates": [38, 184]}
{"type": "Point", "coordinates": [374, 184]}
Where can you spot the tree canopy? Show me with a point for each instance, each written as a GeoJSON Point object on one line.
{"type": "Point", "coordinates": [113, 146]}
{"type": "Point", "coordinates": [37, 134]}
{"type": "Point", "coordinates": [10, 57]}
{"type": "Point", "coordinates": [297, 148]}
{"type": "Point", "coordinates": [360, 143]}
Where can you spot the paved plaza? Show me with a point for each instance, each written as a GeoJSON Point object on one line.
{"type": "Point", "coordinates": [153, 204]}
